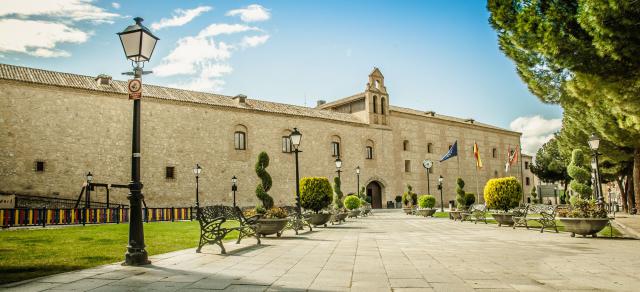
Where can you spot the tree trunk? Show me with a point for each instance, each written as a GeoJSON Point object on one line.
{"type": "Point", "coordinates": [636, 178]}
{"type": "Point", "coordinates": [623, 194]}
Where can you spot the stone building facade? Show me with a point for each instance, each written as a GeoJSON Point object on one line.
{"type": "Point", "coordinates": [55, 127]}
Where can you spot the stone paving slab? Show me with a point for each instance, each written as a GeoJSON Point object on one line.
{"type": "Point", "coordinates": [388, 251]}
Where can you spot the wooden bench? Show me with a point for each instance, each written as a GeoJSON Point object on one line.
{"type": "Point", "coordinates": [477, 212]}
{"type": "Point", "coordinates": [212, 218]}
{"type": "Point", "coordinates": [547, 217]}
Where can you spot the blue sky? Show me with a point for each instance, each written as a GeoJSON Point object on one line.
{"type": "Point", "coordinates": [435, 55]}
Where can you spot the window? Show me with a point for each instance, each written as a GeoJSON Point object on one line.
{"type": "Point", "coordinates": [405, 145]}
{"type": "Point", "coordinates": [495, 173]}
{"type": "Point", "coordinates": [369, 152]}
{"type": "Point", "coordinates": [39, 166]}
{"type": "Point", "coordinates": [430, 148]}
{"type": "Point", "coordinates": [377, 84]}
{"type": "Point", "coordinates": [240, 140]}
{"type": "Point", "coordinates": [170, 172]}
{"type": "Point", "coordinates": [286, 144]}
{"type": "Point", "coordinates": [494, 153]}
{"type": "Point", "coordinates": [382, 105]}
{"type": "Point", "coordinates": [407, 166]}
{"type": "Point", "coordinates": [527, 181]}
{"type": "Point", "coordinates": [335, 149]}
{"type": "Point", "coordinates": [526, 165]}
{"type": "Point", "coordinates": [375, 104]}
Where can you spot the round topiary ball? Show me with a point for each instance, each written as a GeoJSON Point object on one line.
{"type": "Point", "coordinates": [352, 202]}
{"type": "Point", "coordinates": [427, 201]}
{"type": "Point", "coordinates": [315, 193]}
{"type": "Point", "coordinates": [503, 193]}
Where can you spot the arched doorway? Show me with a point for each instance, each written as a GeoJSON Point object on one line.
{"type": "Point", "coordinates": [374, 191]}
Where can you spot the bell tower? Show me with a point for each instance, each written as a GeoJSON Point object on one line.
{"type": "Point", "coordinates": [377, 98]}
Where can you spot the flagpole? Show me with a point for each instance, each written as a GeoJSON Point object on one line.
{"type": "Point", "coordinates": [458, 159]}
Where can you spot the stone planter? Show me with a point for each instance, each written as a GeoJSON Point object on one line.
{"type": "Point", "coordinates": [426, 212]}
{"type": "Point", "coordinates": [271, 226]}
{"type": "Point", "coordinates": [337, 218]}
{"type": "Point", "coordinates": [455, 215]}
{"type": "Point", "coordinates": [319, 219]}
{"type": "Point", "coordinates": [354, 213]}
{"type": "Point", "coordinates": [584, 226]}
{"type": "Point", "coordinates": [503, 219]}
{"type": "Point", "coordinates": [398, 205]}
{"type": "Point", "coordinates": [407, 210]}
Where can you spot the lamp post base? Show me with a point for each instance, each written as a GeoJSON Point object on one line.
{"type": "Point", "coordinates": [136, 257]}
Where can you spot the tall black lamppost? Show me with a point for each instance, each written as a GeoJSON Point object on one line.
{"type": "Point", "coordinates": [138, 44]}
{"type": "Point", "coordinates": [234, 188]}
{"type": "Point", "coordinates": [440, 181]}
{"type": "Point", "coordinates": [295, 138]}
{"type": "Point", "coordinates": [555, 193]}
{"type": "Point", "coordinates": [338, 166]}
{"type": "Point", "coordinates": [196, 170]}
{"type": "Point", "coordinates": [358, 180]}
{"type": "Point", "coordinates": [87, 197]}
{"type": "Point", "coordinates": [594, 144]}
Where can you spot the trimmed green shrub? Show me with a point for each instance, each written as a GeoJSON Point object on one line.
{"type": "Point", "coordinates": [336, 189]}
{"type": "Point", "coordinates": [469, 199]}
{"type": "Point", "coordinates": [266, 182]}
{"type": "Point", "coordinates": [427, 201]}
{"type": "Point", "coordinates": [352, 202]}
{"type": "Point", "coordinates": [398, 199]}
{"type": "Point", "coordinates": [460, 194]}
{"type": "Point", "coordinates": [315, 193]}
{"type": "Point", "coordinates": [580, 174]}
{"type": "Point", "coordinates": [503, 193]}
{"type": "Point", "coordinates": [534, 195]}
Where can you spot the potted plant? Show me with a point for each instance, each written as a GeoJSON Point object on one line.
{"type": "Point", "coordinates": [398, 201]}
{"type": "Point", "coordinates": [426, 204]}
{"type": "Point", "coordinates": [316, 194]}
{"type": "Point", "coordinates": [502, 194]}
{"type": "Point", "coordinates": [409, 198]}
{"type": "Point", "coordinates": [339, 211]}
{"type": "Point", "coordinates": [583, 217]}
{"type": "Point", "coordinates": [461, 200]}
{"type": "Point", "coordinates": [352, 203]}
{"type": "Point", "coordinates": [272, 220]}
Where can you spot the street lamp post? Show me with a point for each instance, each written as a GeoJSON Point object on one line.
{"type": "Point", "coordinates": [440, 181]}
{"type": "Point", "coordinates": [295, 138]}
{"type": "Point", "coordinates": [358, 180]}
{"type": "Point", "coordinates": [138, 44]}
{"type": "Point", "coordinates": [87, 197]}
{"type": "Point", "coordinates": [234, 188]}
{"type": "Point", "coordinates": [594, 144]}
{"type": "Point", "coordinates": [555, 193]}
{"type": "Point", "coordinates": [196, 170]}
{"type": "Point", "coordinates": [338, 166]}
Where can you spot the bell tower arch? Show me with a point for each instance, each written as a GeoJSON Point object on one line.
{"type": "Point", "coordinates": [377, 98]}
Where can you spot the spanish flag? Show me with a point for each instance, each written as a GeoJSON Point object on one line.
{"type": "Point", "coordinates": [476, 154]}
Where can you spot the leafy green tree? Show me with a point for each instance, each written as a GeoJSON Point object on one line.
{"type": "Point", "coordinates": [550, 165]}
{"type": "Point", "coordinates": [584, 52]}
{"type": "Point", "coordinates": [266, 182]}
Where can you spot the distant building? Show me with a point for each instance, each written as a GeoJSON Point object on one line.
{"type": "Point", "coordinates": [55, 127]}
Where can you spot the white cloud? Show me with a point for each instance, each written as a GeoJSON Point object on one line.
{"type": "Point", "coordinates": [536, 131]}
{"type": "Point", "coordinates": [254, 41]}
{"type": "Point", "coordinates": [115, 5]}
{"type": "Point", "coordinates": [191, 54]}
{"type": "Point", "coordinates": [251, 13]}
{"type": "Point", "coordinates": [37, 38]}
{"type": "Point", "coordinates": [180, 18]}
{"type": "Point", "coordinates": [72, 10]}
{"type": "Point", "coordinates": [224, 28]}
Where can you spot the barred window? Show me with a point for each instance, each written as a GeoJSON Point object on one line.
{"type": "Point", "coordinates": [405, 145]}
{"type": "Point", "coordinates": [240, 140]}
{"type": "Point", "coordinates": [39, 166]}
{"type": "Point", "coordinates": [527, 181]}
{"type": "Point", "coordinates": [170, 172]}
{"type": "Point", "coordinates": [335, 149]}
{"type": "Point", "coordinates": [526, 165]}
{"type": "Point", "coordinates": [369, 152]}
{"type": "Point", "coordinates": [286, 144]}
{"type": "Point", "coordinates": [430, 148]}
{"type": "Point", "coordinates": [407, 166]}
{"type": "Point", "coordinates": [494, 153]}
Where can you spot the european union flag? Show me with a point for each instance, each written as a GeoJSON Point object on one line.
{"type": "Point", "coordinates": [453, 151]}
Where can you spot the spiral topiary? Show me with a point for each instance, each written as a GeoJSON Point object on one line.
{"type": "Point", "coordinates": [265, 185]}
{"type": "Point", "coordinates": [460, 194]}
{"type": "Point", "coordinates": [503, 193]}
{"type": "Point", "coordinates": [336, 188]}
{"type": "Point", "coordinates": [579, 174]}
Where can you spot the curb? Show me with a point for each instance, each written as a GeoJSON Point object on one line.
{"type": "Point", "coordinates": [626, 230]}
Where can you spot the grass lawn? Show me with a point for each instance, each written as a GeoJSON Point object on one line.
{"type": "Point", "coordinates": [30, 253]}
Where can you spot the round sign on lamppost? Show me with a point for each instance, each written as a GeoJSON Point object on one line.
{"type": "Point", "coordinates": [427, 165]}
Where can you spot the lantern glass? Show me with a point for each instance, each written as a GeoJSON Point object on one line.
{"type": "Point", "coordinates": [358, 170]}
{"type": "Point", "coordinates": [138, 42]}
{"type": "Point", "coordinates": [197, 170]}
{"type": "Point", "coordinates": [89, 177]}
{"type": "Point", "coordinates": [440, 179]}
{"type": "Point", "coordinates": [594, 142]}
{"type": "Point", "coordinates": [234, 180]}
{"type": "Point", "coordinates": [338, 163]}
{"type": "Point", "coordinates": [295, 137]}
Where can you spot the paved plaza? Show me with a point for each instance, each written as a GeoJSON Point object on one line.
{"type": "Point", "coordinates": [388, 251]}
